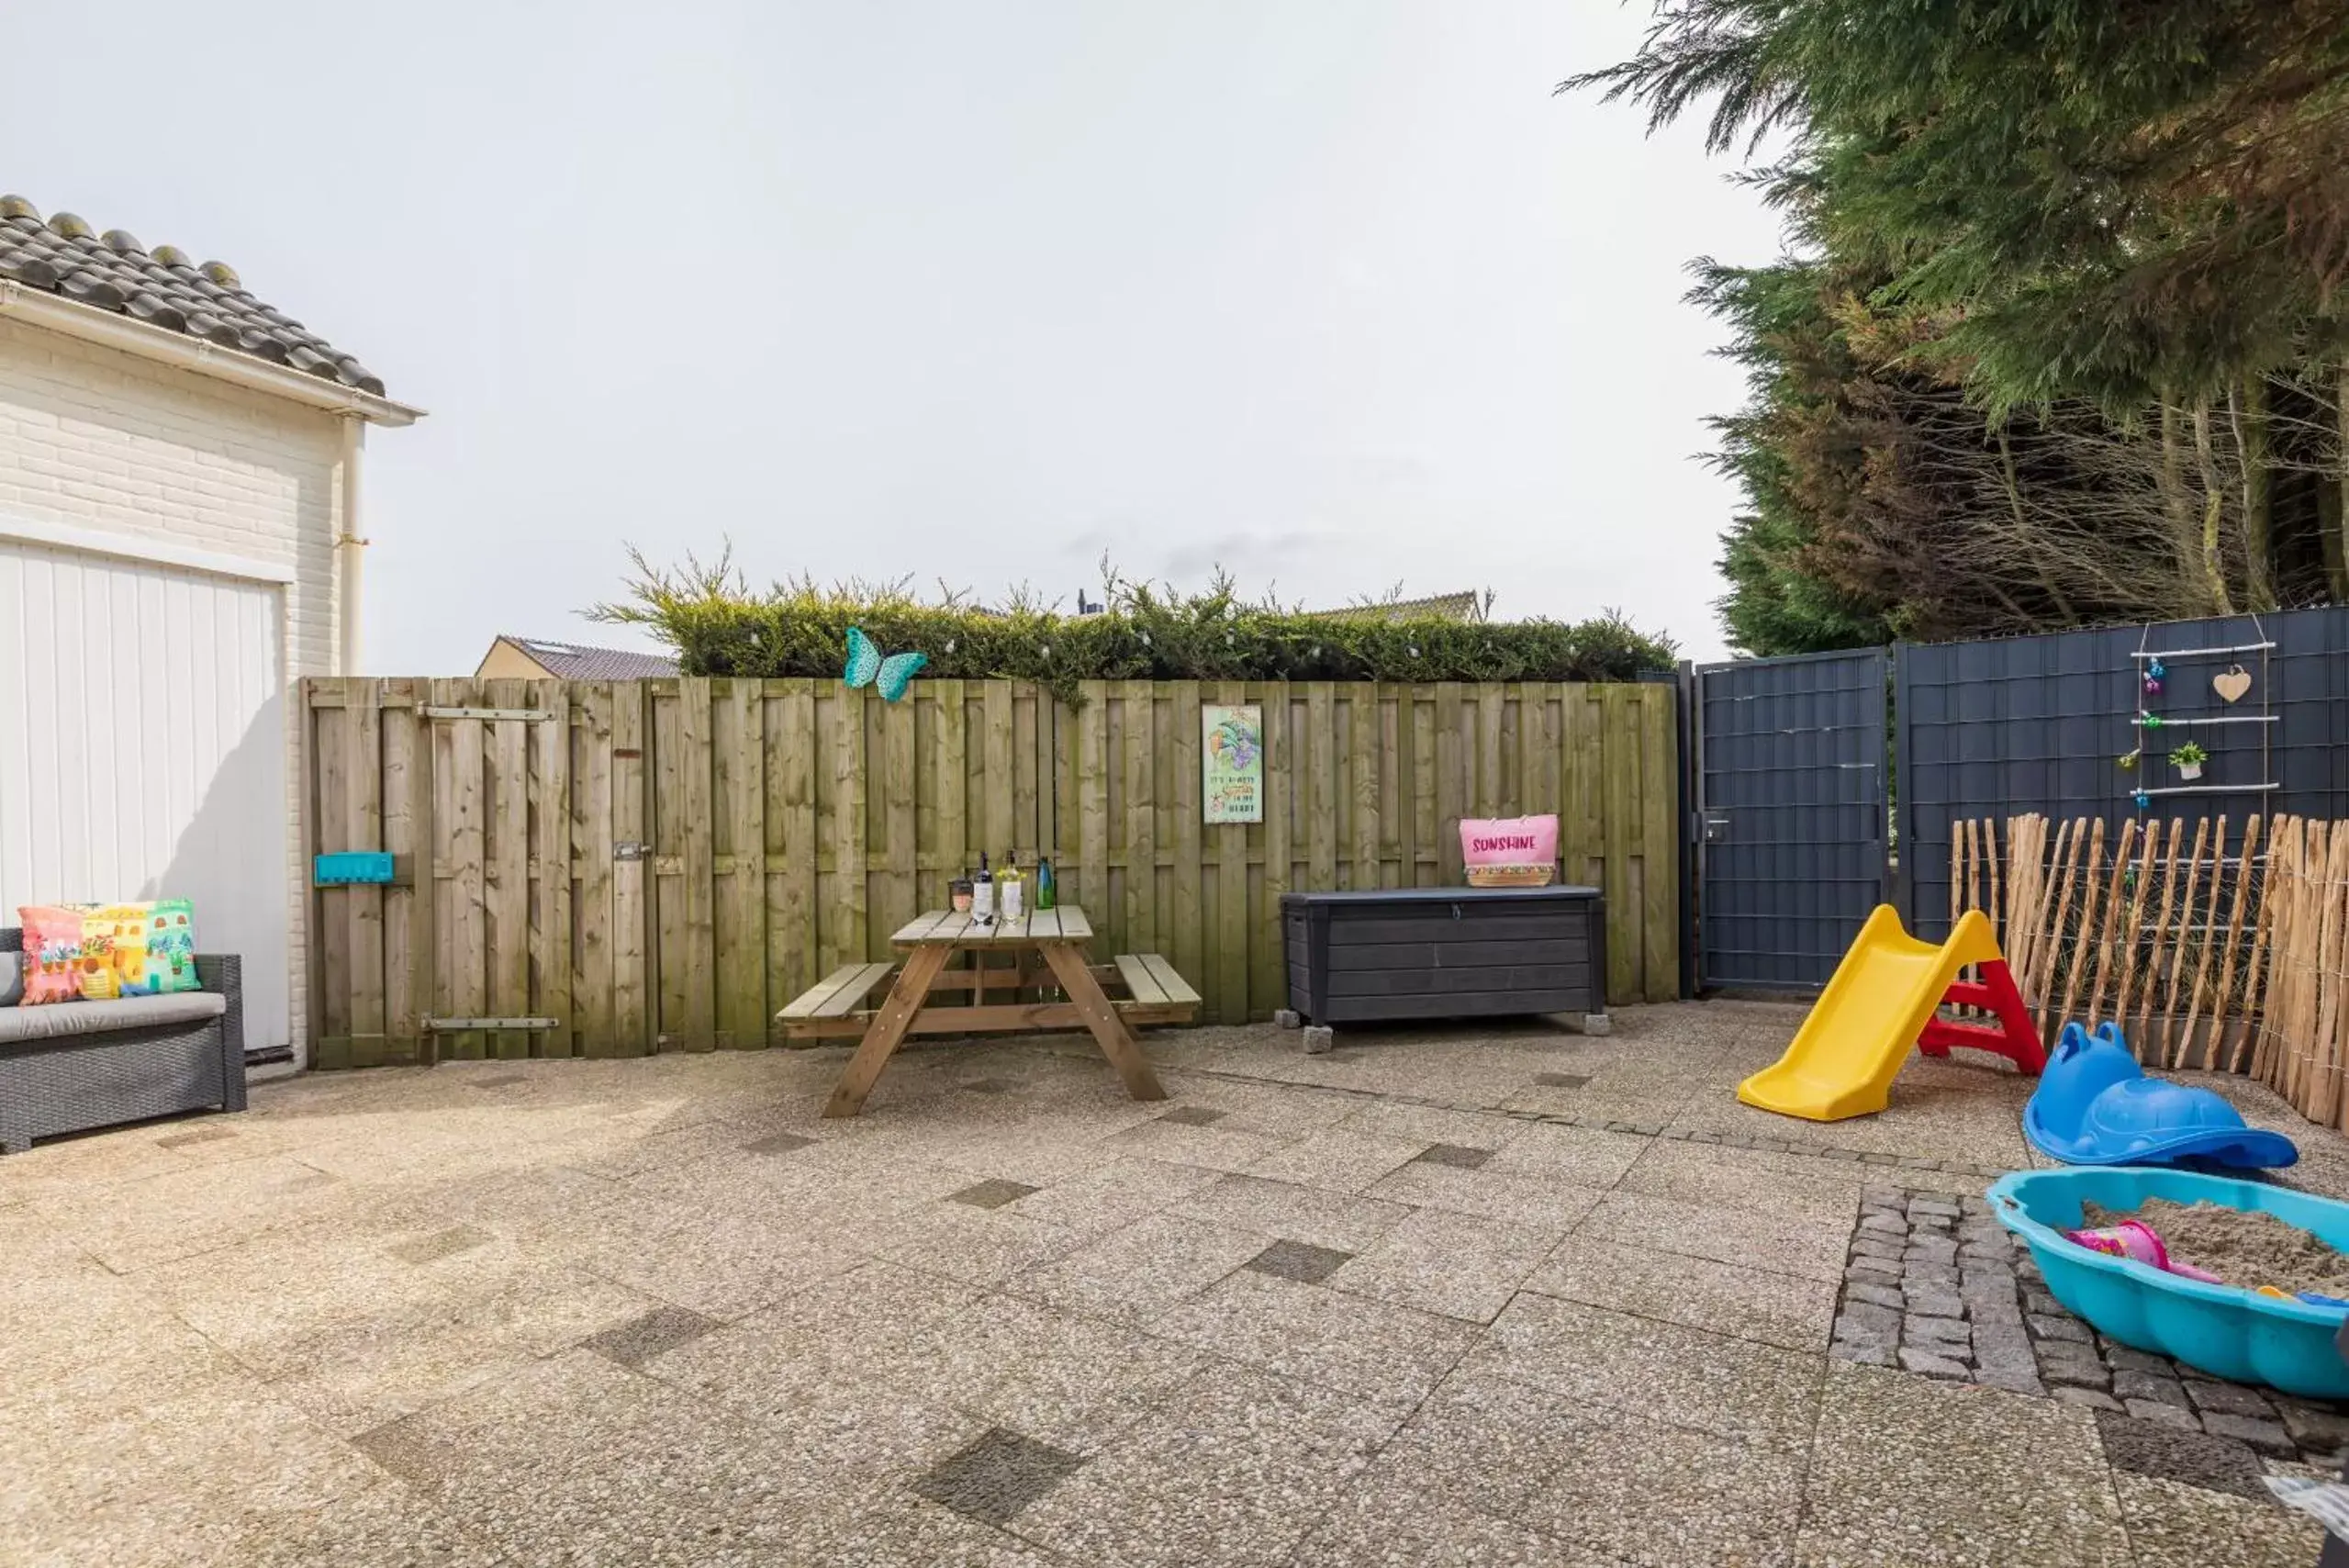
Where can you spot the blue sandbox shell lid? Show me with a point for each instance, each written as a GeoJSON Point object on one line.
{"type": "Point", "coordinates": [2095, 1105]}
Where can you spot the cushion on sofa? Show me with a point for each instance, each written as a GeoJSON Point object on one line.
{"type": "Point", "coordinates": [12, 978]}
{"type": "Point", "coordinates": [52, 943]}
{"type": "Point", "coordinates": [61, 1019]}
{"type": "Point", "coordinates": [167, 957]}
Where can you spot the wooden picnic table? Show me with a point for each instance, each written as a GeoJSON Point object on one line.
{"type": "Point", "coordinates": [1056, 938]}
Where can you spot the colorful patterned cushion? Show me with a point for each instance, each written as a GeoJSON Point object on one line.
{"type": "Point", "coordinates": [52, 953]}
{"type": "Point", "coordinates": [114, 946]}
{"type": "Point", "coordinates": [169, 959]}
{"type": "Point", "coordinates": [101, 952]}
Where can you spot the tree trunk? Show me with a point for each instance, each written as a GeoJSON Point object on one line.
{"type": "Point", "coordinates": [2214, 512]}
{"type": "Point", "coordinates": [2178, 507]}
{"type": "Point", "coordinates": [2250, 411]}
{"type": "Point", "coordinates": [2336, 557]}
{"type": "Point", "coordinates": [2068, 616]}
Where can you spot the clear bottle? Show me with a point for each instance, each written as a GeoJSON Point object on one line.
{"type": "Point", "coordinates": [1010, 887]}
{"type": "Point", "coordinates": [982, 894]}
{"type": "Point", "coordinates": [1047, 895]}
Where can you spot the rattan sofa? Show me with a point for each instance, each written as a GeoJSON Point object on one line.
{"type": "Point", "coordinates": [68, 1065]}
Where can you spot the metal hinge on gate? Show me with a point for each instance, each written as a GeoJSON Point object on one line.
{"type": "Point", "coordinates": [629, 849]}
{"type": "Point", "coordinates": [531, 714]}
{"type": "Point", "coordinates": [1717, 829]}
{"type": "Point", "coordinates": [465, 1026]}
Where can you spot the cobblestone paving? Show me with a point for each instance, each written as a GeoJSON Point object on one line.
{"type": "Point", "coordinates": [1502, 1296]}
{"type": "Point", "coordinates": [1936, 1286]}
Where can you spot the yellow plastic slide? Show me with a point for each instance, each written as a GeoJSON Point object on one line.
{"type": "Point", "coordinates": [1851, 1049]}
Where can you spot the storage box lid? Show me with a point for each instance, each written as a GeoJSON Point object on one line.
{"type": "Point", "coordinates": [1560, 894]}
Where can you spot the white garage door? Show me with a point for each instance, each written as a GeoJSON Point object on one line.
{"type": "Point", "coordinates": [143, 751]}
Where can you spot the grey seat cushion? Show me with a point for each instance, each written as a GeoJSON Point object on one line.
{"type": "Point", "coordinates": [12, 978]}
{"type": "Point", "coordinates": [56, 1020]}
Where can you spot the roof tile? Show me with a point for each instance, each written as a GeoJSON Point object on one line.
{"type": "Point", "coordinates": [163, 288]}
{"type": "Point", "coordinates": [570, 661]}
{"type": "Point", "coordinates": [1464, 606]}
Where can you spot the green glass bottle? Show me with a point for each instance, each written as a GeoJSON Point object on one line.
{"type": "Point", "coordinates": [1047, 895]}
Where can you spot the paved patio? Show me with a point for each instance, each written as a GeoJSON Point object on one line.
{"type": "Point", "coordinates": [1440, 1297]}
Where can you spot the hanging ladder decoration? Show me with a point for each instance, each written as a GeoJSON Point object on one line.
{"type": "Point", "coordinates": [2157, 670]}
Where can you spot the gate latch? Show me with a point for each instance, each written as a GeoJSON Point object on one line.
{"type": "Point", "coordinates": [1717, 829]}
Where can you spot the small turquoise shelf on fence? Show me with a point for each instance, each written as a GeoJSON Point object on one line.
{"type": "Point", "coordinates": [350, 866]}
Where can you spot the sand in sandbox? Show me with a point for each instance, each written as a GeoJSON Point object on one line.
{"type": "Point", "coordinates": [2242, 1246]}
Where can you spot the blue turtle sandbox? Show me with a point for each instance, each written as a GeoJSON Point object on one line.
{"type": "Point", "coordinates": [2095, 1105]}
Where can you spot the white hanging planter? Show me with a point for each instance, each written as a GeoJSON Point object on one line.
{"type": "Point", "coordinates": [2189, 770]}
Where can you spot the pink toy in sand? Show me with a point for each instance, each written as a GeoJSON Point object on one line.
{"type": "Point", "coordinates": [2135, 1240]}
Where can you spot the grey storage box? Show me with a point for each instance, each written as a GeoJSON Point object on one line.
{"type": "Point", "coordinates": [1406, 953]}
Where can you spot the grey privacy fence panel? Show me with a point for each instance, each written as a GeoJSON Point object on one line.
{"type": "Point", "coordinates": [1791, 803]}
{"type": "Point", "coordinates": [2022, 725]}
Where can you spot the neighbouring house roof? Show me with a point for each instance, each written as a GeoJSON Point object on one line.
{"type": "Point", "coordinates": [65, 256]}
{"type": "Point", "coordinates": [569, 661]}
{"type": "Point", "coordinates": [1467, 606]}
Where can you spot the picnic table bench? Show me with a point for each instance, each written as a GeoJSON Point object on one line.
{"type": "Point", "coordinates": [925, 996]}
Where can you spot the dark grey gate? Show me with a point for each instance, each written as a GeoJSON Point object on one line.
{"type": "Point", "coordinates": [1790, 771]}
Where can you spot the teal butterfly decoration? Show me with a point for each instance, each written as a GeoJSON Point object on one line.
{"type": "Point", "coordinates": [889, 676]}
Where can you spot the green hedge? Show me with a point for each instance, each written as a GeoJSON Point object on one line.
{"type": "Point", "coordinates": [720, 628]}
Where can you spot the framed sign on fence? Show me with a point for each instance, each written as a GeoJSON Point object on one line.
{"type": "Point", "coordinates": [1232, 760]}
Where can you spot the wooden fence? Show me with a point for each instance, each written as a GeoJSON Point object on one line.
{"type": "Point", "coordinates": [2212, 949]}
{"type": "Point", "coordinates": [650, 866]}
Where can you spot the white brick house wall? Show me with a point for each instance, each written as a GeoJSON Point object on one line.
{"type": "Point", "coordinates": [96, 440]}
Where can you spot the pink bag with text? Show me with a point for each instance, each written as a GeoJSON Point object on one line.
{"type": "Point", "coordinates": [1509, 852]}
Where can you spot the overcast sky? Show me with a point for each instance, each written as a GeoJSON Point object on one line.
{"type": "Point", "coordinates": [1332, 292]}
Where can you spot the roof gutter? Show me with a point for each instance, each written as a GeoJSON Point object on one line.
{"type": "Point", "coordinates": [94, 325]}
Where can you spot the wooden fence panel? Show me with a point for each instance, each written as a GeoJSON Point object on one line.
{"type": "Point", "coordinates": [552, 887]}
{"type": "Point", "coordinates": [459, 758]}
{"type": "Point", "coordinates": [792, 845]}
{"type": "Point", "coordinates": [660, 865]}
{"type": "Point", "coordinates": [327, 800]}
{"type": "Point", "coordinates": [406, 802]}
{"type": "Point", "coordinates": [364, 829]}
{"type": "Point", "coordinates": [634, 958]}
{"type": "Point", "coordinates": [739, 746]}
{"type": "Point", "coordinates": [594, 1024]}
{"type": "Point", "coordinates": [506, 790]}
{"type": "Point", "coordinates": [1275, 875]}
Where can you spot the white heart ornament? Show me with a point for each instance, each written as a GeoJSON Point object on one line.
{"type": "Point", "coordinates": [2231, 683]}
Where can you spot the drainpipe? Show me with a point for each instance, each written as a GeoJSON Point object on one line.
{"type": "Point", "coordinates": [349, 544]}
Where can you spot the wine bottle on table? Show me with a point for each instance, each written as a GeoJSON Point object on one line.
{"type": "Point", "coordinates": [1047, 895]}
{"type": "Point", "coordinates": [982, 894]}
{"type": "Point", "coordinates": [1011, 887]}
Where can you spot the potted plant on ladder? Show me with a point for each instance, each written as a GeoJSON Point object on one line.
{"type": "Point", "coordinates": [2188, 760]}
